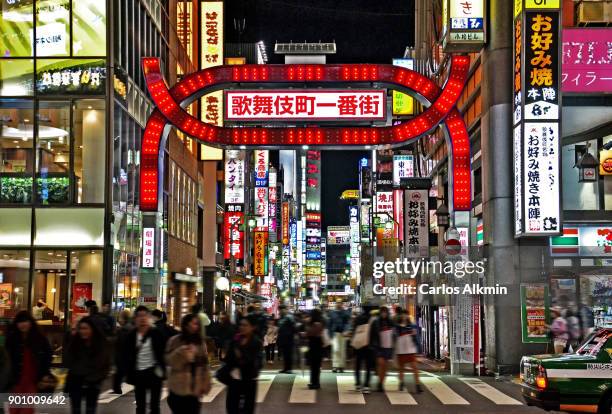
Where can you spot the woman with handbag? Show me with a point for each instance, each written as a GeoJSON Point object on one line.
{"type": "Point", "coordinates": [30, 359]}
{"type": "Point", "coordinates": [406, 348]}
{"type": "Point", "coordinates": [187, 359]}
{"type": "Point", "coordinates": [88, 362]}
{"type": "Point", "coordinates": [241, 368]}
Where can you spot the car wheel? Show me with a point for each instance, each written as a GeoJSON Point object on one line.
{"type": "Point", "coordinates": [605, 407]}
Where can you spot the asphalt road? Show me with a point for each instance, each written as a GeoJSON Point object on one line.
{"type": "Point", "coordinates": [279, 393]}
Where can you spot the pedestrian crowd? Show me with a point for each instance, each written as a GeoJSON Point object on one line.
{"type": "Point", "coordinates": [142, 349]}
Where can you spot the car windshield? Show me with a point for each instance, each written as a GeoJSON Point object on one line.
{"type": "Point", "coordinates": [594, 343]}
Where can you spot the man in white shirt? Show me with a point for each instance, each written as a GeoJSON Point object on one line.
{"type": "Point", "coordinates": [145, 361]}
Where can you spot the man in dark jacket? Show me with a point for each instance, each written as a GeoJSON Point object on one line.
{"type": "Point", "coordinates": [144, 360]}
{"type": "Point", "coordinates": [285, 339]}
{"type": "Point", "coordinates": [160, 320]}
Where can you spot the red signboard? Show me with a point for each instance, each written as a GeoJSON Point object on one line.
{"type": "Point", "coordinates": [233, 237]}
{"type": "Point", "coordinates": [587, 61]}
{"type": "Point", "coordinates": [305, 105]}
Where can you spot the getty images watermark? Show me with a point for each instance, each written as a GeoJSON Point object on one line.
{"type": "Point", "coordinates": [410, 268]}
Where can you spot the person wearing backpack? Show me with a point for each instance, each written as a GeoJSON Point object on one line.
{"type": "Point", "coordinates": [363, 351]}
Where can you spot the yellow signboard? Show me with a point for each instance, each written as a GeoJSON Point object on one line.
{"type": "Point", "coordinates": [542, 4]}
{"type": "Point", "coordinates": [403, 104]}
{"type": "Point", "coordinates": [235, 61]}
{"type": "Point", "coordinates": [346, 194]}
{"type": "Point", "coordinates": [518, 7]}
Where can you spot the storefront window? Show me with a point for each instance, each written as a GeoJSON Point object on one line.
{"type": "Point", "coordinates": [89, 28]}
{"type": "Point", "coordinates": [53, 27]}
{"type": "Point", "coordinates": [14, 278]}
{"type": "Point", "coordinates": [86, 271]}
{"type": "Point", "coordinates": [53, 153]}
{"type": "Point", "coordinates": [16, 77]}
{"type": "Point", "coordinates": [89, 150]}
{"type": "Point", "coordinates": [16, 24]}
{"type": "Point", "coordinates": [49, 294]}
{"type": "Point", "coordinates": [577, 195]}
{"type": "Point", "coordinates": [16, 158]}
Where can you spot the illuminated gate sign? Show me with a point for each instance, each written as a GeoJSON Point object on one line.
{"type": "Point", "coordinates": [288, 105]}
{"type": "Point", "coordinates": [440, 106]}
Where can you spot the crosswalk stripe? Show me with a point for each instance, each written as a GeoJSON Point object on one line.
{"type": "Point", "coordinates": [215, 390]}
{"type": "Point", "coordinates": [489, 392]}
{"type": "Point", "coordinates": [264, 382]}
{"type": "Point", "coordinates": [300, 392]}
{"type": "Point", "coordinates": [395, 396]}
{"type": "Point", "coordinates": [442, 391]}
{"type": "Point", "coordinates": [107, 396]}
{"type": "Point", "coordinates": [346, 393]}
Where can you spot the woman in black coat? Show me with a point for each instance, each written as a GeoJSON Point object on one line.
{"type": "Point", "coordinates": [29, 355]}
{"type": "Point", "coordinates": [88, 362]}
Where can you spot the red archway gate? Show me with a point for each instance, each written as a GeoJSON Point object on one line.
{"type": "Point", "coordinates": [441, 109]}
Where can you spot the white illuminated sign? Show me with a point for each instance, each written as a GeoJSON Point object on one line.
{"type": "Point", "coordinates": [234, 177]}
{"type": "Point", "coordinates": [264, 105]}
{"type": "Point", "coordinates": [148, 247]}
{"type": "Point", "coordinates": [403, 167]}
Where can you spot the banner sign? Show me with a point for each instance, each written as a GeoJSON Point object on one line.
{"type": "Point", "coordinates": [260, 259]}
{"type": "Point", "coordinates": [416, 226]}
{"type": "Point", "coordinates": [285, 223]}
{"type": "Point", "coordinates": [234, 177]}
{"type": "Point", "coordinates": [261, 168]}
{"type": "Point", "coordinates": [306, 105]}
{"type": "Point", "coordinates": [148, 247]}
{"type": "Point", "coordinates": [233, 236]}
{"type": "Point", "coordinates": [534, 312]}
{"type": "Point", "coordinates": [338, 235]}
{"type": "Point", "coordinates": [403, 167]}
{"type": "Point", "coordinates": [587, 64]}
{"type": "Point", "coordinates": [536, 120]}
{"type": "Point", "coordinates": [465, 25]}
{"type": "Point", "coordinates": [272, 205]}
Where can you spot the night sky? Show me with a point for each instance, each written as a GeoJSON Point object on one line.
{"type": "Point", "coordinates": [365, 31]}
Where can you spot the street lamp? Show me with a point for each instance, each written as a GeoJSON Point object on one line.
{"type": "Point", "coordinates": [587, 166]}
{"type": "Point", "coordinates": [443, 215]}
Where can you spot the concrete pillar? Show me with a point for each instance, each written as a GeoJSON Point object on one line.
{"type": "Point", "coordinates": [510, 262]}
{"type": "Point", "coordinates": [93, 156]}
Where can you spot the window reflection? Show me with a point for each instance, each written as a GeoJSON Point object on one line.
{"type": "Point", "coordinates": [89, 150]}
{"type": "Point", "coordinates": [53, 153]}
{"type": "Point", "coordinates": [16, 161]}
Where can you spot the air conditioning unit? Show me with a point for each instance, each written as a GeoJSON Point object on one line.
{"type": "Point", "coordinates": [592, 12]}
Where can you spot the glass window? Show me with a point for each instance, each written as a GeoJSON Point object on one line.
{"type": "Point", "coordinates": [90, 150]}
{"type": "Point", "coordinates": [53, 27]}
{"type": "Point", "coordinates": [74, 226]}
{"type": "Point", "coordinates": [16, 158]}
{"type": "Point", "coordinates": [86, 271]}
{"type": "Point", "coordinates": [16, 24]}
{"type": "Point", "coordinates": [53, 153]}
{"type": "Point", "coordinates": [49, 296]}
{"type": "Point", "coordinates": [16, 77]}
{"type": "Point", "coordinates": [89, 28]}
{"type": "Point", "coordinates": [15, 227]}
{"type": "Point", "coordinates": [14, 278]}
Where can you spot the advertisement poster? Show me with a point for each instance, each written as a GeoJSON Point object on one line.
{"type": "Point", "coordinates": [535, 309]}
{"type": "Point", "coordinates": [260, 256]}
{"type": "Point", "coordinates": [6, 291]}
{"type": "Point", "coordinates": [81, 293]}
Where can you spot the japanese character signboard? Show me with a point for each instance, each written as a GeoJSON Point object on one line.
{"type": "Point", "coordinates": [536, 121]}
{"type": "Point", "coordinates": [211, 105]}
{"type": "Point", "coordinates": [416, 223]}
{"type": "Point", "coordinates": [587, 60]}
{"type": "Point", "coordinates": [313, 180]}
{"type": "Point", "coordinates": [384, 203]}
{"type": "Point", "coordinates": [272, 205]}
{"type": "Point", "coordinates": [261, 206]}
{"type": "Point", "coordinates": [232, 234]}
{"type": "Point", "coordinates": [541, 210]}
{"type": "Point", "coordinates": [148, 247]}
{"type": "Point", "coordinates": [234, 177]}
{"type": "Point", "coordinates": [260, 259]}
{"type": "Point", "coordinates": [465, 25]}
{"type": "Point", "coordinates": [541, 66]}
{"type": "Point", "coordinates": [403, 167]}
{"type": "Point", "coordinates": [306, 105]}
{"type": "Point", "coordinates": [212, 34]}
{"type": "Point", "coordinates": [261, 168]}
